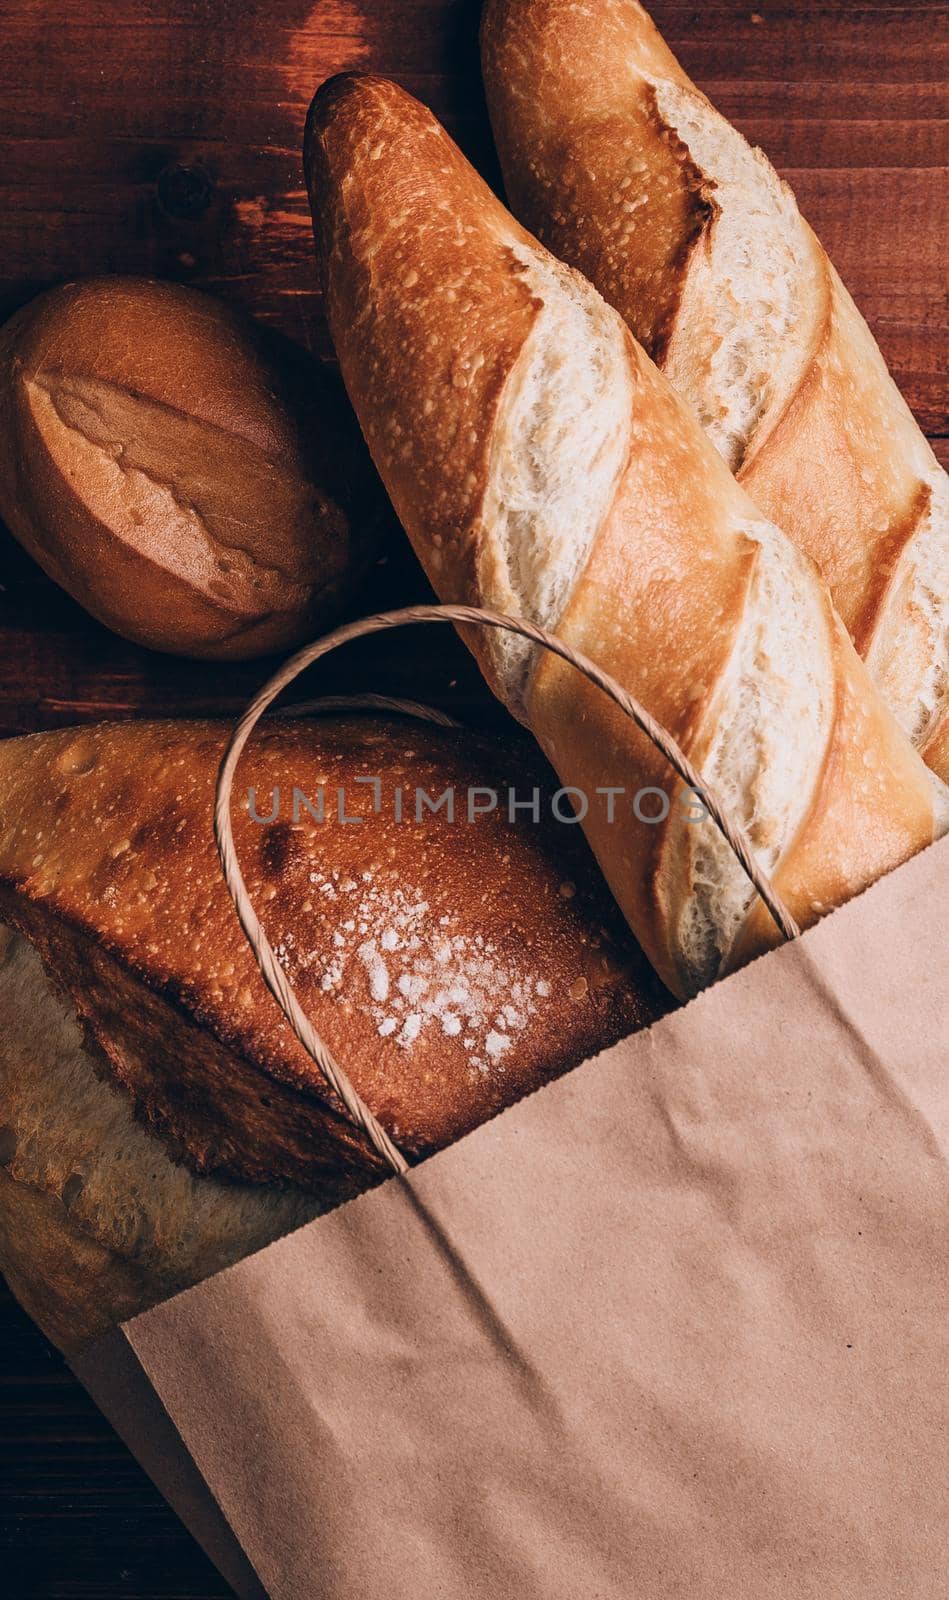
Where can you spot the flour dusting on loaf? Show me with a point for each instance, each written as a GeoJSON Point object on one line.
{"type": "Point", "coordinates": [399, 962]}
{"type": "Point", "coordinates": [438, 958]}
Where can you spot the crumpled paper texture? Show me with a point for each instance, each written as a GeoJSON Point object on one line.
{"type": "Point", "coordinates": [675, 1326]}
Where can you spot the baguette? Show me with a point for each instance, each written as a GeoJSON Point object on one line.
{"type": "Point", "coordinates": [197, 487]}
{"type": "Point", "coordinates": [626, 171]}
{"type": "Point", "coordinates": [543, 466]}
{"type": "Point", "coordinates": [451, 966]}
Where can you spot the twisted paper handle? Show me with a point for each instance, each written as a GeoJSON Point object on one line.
{"type": "Point", "coordinates": [273, 974]}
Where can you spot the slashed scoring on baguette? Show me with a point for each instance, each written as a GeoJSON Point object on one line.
{"type": "Point", "coordinates": [772, 720]}
{"type": "Point", "coordinates": [560, 447]}
{"type": "Point", "coordinates": [739, 348]}
{"type": "Point", "coordinates": [561, 442]}
{"type": "Point", "coordinates": [914, 625]}
{"type": "Point", "coordinates": [742, 334]}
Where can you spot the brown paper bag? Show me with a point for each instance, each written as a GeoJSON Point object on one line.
{"type": "Point", "coordinates": [675, 1326]}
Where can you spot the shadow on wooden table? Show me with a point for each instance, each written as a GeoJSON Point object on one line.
{"type": "Point", "coordinates": [77, 1514]}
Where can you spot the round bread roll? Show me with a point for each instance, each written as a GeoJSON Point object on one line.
{"type": "Point", "coordinates": [198, 487]}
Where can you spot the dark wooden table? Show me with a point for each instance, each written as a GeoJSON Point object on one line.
{"type": "Point", "coordinates": [164, 138]}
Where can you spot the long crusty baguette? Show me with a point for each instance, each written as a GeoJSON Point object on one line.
{"type": "Point", "coordinates": [543, 466]}
{"type": "Point", "coordinates": [97, 1221]}
{"type": "Point", "coordinates": [624, 169]}
{"type": "Point", "coordinates": [451, 965]}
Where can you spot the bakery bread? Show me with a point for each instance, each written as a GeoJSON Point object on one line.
{"type": "Point", "coordinates": [623, 168]}
{"type": "Point", "coordinates": [97, 1221]}
{"type": "Point", "coordinates": [451, 965]}
{"type": "Point", "coordinates": [543, 466]}
{"type": "Point", "coordinates": [197, 487]}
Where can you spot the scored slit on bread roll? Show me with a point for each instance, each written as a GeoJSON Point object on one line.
{"type": "Point", "coordinates": [452, 965]}
{"type": "Point", "coordinates": [543, 466]}
{"type": "Point", "coordinates": [624, 169]}
{"type": "Point", "coordinates": [199, 486]}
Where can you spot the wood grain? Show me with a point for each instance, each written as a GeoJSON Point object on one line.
{"type": "Point", "coordinates": [164, 138]}
{"type": "Point", "coordinates": [78, 1517]}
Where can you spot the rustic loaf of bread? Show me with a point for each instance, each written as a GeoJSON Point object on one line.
{"type": "Point", "coordinates": [614, 158]}
{"type": "Point", "coordinates": [97, 1221]}
{"type": "Point", "coordinates": [197, 487]}
{"type": "Point", "coordinates": [451, 965]}
{"type": "Point", "coordinates": [543, 466]}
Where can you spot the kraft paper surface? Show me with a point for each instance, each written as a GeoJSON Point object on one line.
{"type": "Point", "coordinates": [674, 1326]}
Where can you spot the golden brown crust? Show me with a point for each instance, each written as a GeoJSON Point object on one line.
{"type": "Point", "coordinates": [593, 167]}
{"type": "Point", "coordinates": [835, 467]}
{"type": "Point", "coordinates": [935, 752]}
{"type": "Point", "coordinates": [586, 136]}
{"type": "Point", "coordinates": [195, 487]}
{"type": "Point", "coordinates": [206, 1096]}
{"type": "Point", "coordinates": [385, 266]}
{"type": "Point", "coordinates": [861, 823]}
{"type": "Point", "coordinates": [432, 448]}
{"type": "Point", "coordinates": [451, 967]}
{"type": "Point", "coordinates": [871, 807]}
{"type": "Point", "coordinates": [669, 520]}
{"type": "Point", "coordinates": [664, 589]}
